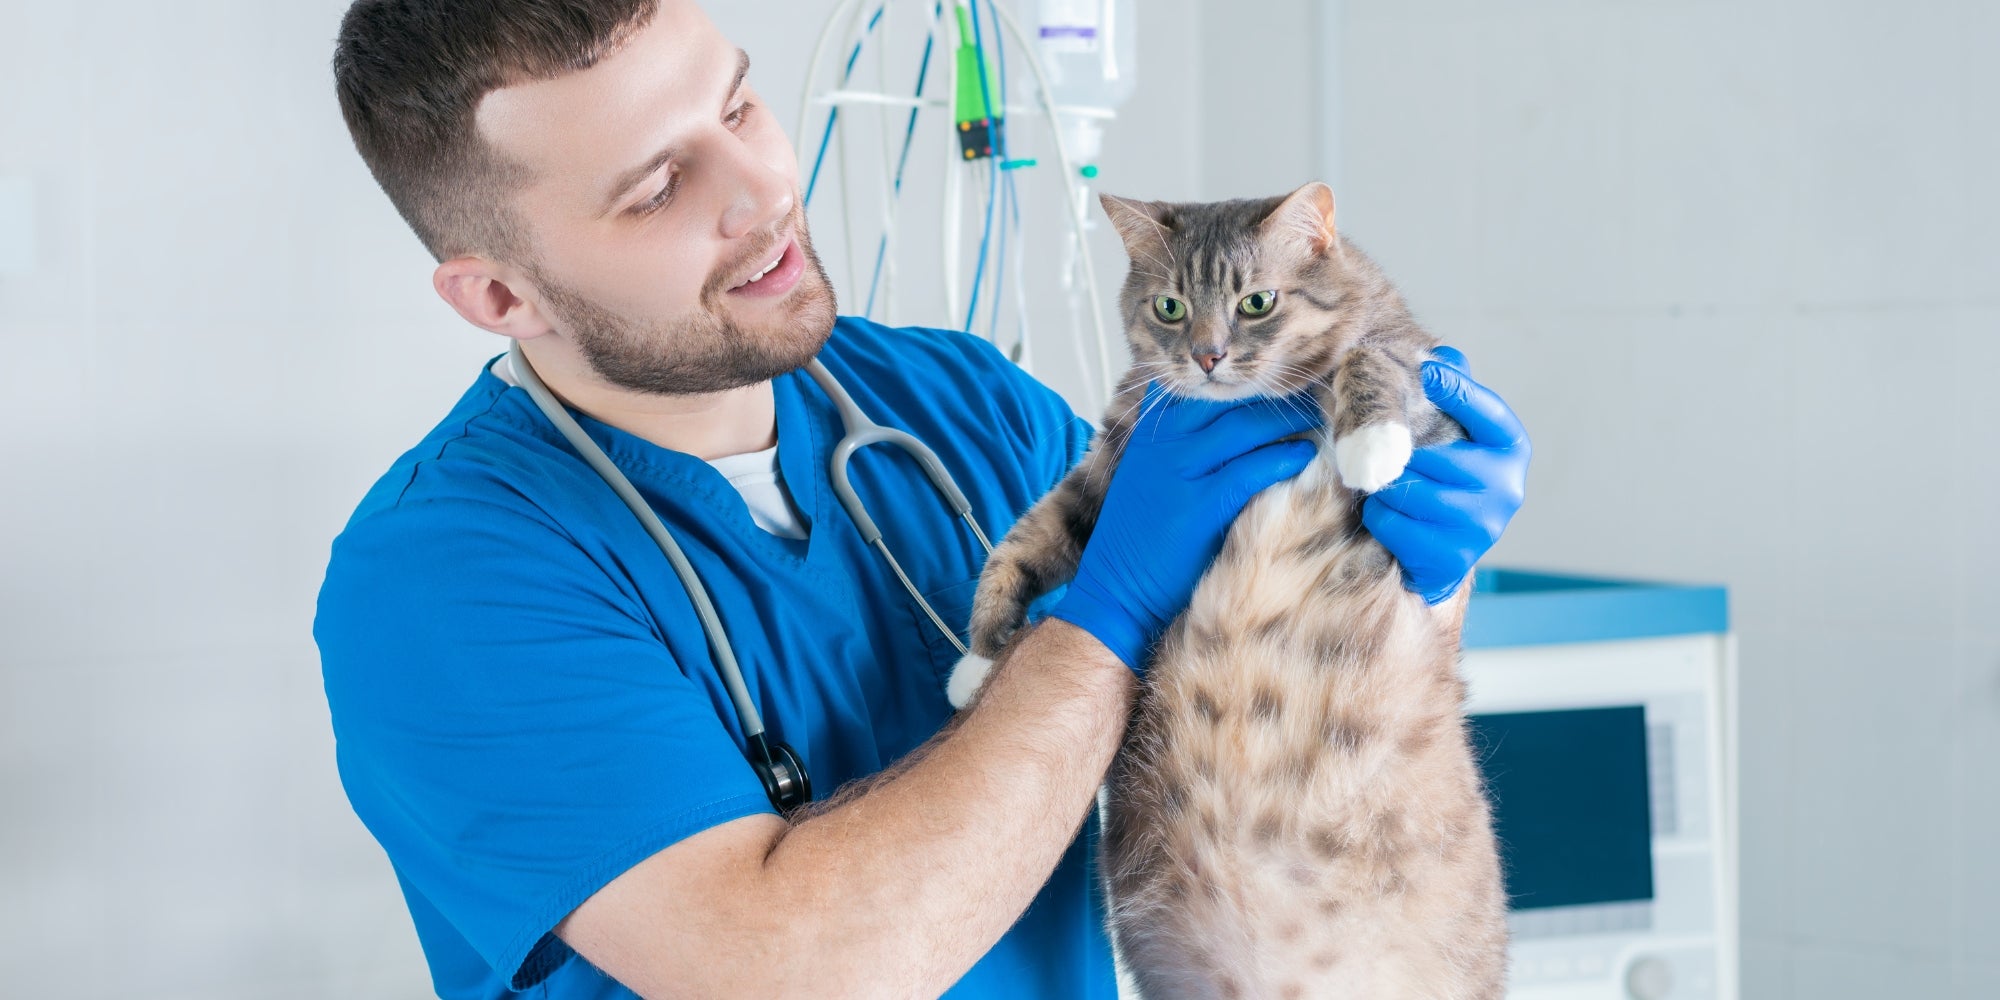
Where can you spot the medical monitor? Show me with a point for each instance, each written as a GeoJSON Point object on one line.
{"type": "Point", "coordinates": [1599, 712]}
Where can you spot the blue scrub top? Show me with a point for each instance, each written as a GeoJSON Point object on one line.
{"type": "Point", "coordinates": [525, 705]}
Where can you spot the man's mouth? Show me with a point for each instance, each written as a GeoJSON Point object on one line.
{"type": "Point", "coordinates": [776, 276]}
{"type": "Point", "coordinates": [767, 270]}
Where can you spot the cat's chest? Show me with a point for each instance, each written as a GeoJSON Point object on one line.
{"type": "Point", "coordinates": [1301, 520]}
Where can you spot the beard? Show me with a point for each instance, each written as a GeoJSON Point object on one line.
{"type": "Point", "coordinates": [708, 351]}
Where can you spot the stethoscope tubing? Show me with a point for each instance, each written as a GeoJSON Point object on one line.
{"type": "Point", "coordinates": [704, 609]}
{"type": "Point", "coordinates": [857, 432]}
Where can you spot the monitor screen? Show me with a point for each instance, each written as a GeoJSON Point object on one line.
{"type": "Point", "coordinates": [1570, 804]}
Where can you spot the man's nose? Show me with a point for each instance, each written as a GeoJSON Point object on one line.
{"type": "Point", "coordinates": [760, 198]}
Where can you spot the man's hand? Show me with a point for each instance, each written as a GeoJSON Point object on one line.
{"type": "Point", "coordinates": [1188, 469]}
{"type": "Point", "coordinates": [1453, 500]}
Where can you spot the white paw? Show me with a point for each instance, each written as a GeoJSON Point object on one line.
{"type": "Point", "coordinates": [1372, 456]}
{"type": "Point", "coordinates": [966, 677]}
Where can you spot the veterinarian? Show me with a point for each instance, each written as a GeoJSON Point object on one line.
{"type": "Point", "coordinates": [529, 714]}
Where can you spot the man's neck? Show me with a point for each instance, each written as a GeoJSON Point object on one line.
{"type": "Point", "coordinates": [707, 425]}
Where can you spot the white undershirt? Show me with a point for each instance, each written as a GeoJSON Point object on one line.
{"type": "Point", "coordinates": [755, 475]}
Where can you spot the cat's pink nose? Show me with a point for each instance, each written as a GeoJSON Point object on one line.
{"type": "Point", "coordinates": [1207, 360]}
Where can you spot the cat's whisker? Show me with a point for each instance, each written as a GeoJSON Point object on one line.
{"type": "Point", "coordinates": [1296, 406]}
{"type": "Point", "coordinates": [1299, 372]}
{"type": "Point", "coordinates": [1149, 405]}
{"type": "Point", "coordinates": [1288, 392]}
{"type": "Point", "coordinates": [1287, 369]}
{"type": "Point", "coordinates": [1125, 415]}
{"type": "Point", "coordinates": [1118, 419]}
{"type": "Point", "coordinates": [1116, 425]}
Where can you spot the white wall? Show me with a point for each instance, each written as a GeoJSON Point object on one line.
{"type": "Point", "coordinates": [1733, 263]}
{"type": "Point", "coordinates": [224, 333]}
{"type": "Point", "coordinates": [226, 336]}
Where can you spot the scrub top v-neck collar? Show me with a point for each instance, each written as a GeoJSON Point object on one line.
{"type": "Point", "coordinates": [806, 433]}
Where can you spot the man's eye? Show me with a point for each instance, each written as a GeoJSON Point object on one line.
{"type": "Point", "coordinates": [734, 119]}
{"type": "Point", "coordinates": [658, 201]}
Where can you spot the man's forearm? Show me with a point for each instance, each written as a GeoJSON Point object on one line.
{"type": "Point", "coordinates": [905, 882]}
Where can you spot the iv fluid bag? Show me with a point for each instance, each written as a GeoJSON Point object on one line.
{"type": "Point", "coordinates": [1090, 50]}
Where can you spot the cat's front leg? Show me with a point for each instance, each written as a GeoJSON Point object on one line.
{"type": "Point", "coordinates": [1040, 551]}
{"type": "Point", "coordinates": [1373, 394]}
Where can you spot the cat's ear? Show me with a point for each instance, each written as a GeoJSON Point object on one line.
{"type": "Point", "coordinates": [1304, 219]}
{"type": "Point", "coordinates": [1142, 225]}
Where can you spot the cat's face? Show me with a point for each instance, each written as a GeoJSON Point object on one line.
{"type": "Point", "coordinates": [1226, 300]}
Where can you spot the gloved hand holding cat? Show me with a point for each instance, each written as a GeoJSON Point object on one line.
{"type": "Point", "coordinates": [1188, 469]}
{"type": "Point", "coordinates": [1455, 497]}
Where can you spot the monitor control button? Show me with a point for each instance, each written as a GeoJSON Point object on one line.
{"type": "Point", "coordinates": [1649, 979]}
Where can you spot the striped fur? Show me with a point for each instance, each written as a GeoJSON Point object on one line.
{"type": "Point", "coordinates": [1295, 811]}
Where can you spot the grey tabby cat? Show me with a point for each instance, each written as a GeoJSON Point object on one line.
{"type": "Point", "coordinates": [1295, 811]}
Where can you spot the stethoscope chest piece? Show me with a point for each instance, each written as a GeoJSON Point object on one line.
{"type": "Point", "coordinates": [785, 779]}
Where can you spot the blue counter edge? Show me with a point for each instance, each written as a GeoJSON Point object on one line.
{"type": "Point", "coordinates": [1521, 607]}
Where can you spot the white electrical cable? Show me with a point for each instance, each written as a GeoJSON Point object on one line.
{"type": "Point", "coordinates": [1024, 348]}
{"type": "Point", "coordinates": [888, 174]}
{"type": "Point", "coordinates": [833, 97]}
{"type": "Point", "coordinates": [1076, 343]}
{"type": "Point", "coordinates": [806, 102]}
{"type": "Point", "coordinates": [954, 195]}
{"type": "Point", "coordinates": [891, 171]}
{"type": "Point", "coordinates": [1071, 188]}
{"type": "Point", "coordinates": [856, 34]}
{"type": "Point", "coordinates": [1108, 43]}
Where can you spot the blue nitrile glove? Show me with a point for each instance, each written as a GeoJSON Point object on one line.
{"type": "Point", "coordinates": [1188, 469]}
{"type": "Point", "coordinates": [1454, 499]}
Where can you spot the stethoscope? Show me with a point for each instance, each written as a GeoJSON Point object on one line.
{"type": "Point", "coordinates": [777, 765]}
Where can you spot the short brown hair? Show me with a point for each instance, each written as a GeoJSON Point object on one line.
{"type": "Point", "coordinates": [411, 74]}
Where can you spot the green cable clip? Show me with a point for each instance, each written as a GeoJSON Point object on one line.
{"type": "Point", "coordinates": [978, 132]}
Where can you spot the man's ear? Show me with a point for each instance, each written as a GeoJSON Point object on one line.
{"type": "Point", "coordinates": [484, 292]}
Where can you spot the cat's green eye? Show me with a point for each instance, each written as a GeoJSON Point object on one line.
{"type": "Point", "coordinates": [1257, 303]}
{"type": "Point", "coordinates": [1168, 308]}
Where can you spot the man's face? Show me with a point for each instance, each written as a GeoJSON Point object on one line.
{"type": "Point", "coordinates": [659, 186]}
